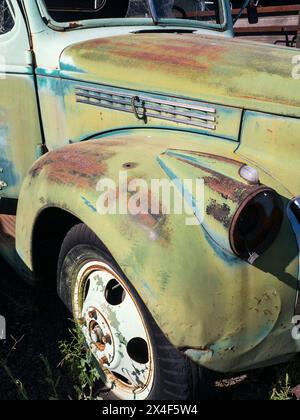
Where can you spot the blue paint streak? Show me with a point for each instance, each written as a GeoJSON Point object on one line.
{"type": "Point", "coordinates": [187, 159]}
{"type": "Point", "coordinates": [180, 186]}
{"type": "Point", "coordinates": [89, 204]}
{"type": "Point", "coordinates": [70, 68]}
{"type": "Point", "coordinates": [229, 258]}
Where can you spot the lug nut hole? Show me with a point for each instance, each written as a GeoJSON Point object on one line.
{"type": "Point", "coordinates": [114, 293]}
{"type": "Point", "coordinates": [137, 350]}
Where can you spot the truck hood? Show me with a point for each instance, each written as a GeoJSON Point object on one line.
{"type": "Point", "coordinates": [206, 68]}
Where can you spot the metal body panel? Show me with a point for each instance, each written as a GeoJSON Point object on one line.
{"type": "Point", "coordinates": [67, 119]}
{"type": "Point", "coordinates": [272, 142]}
{"type": "Point", "coordinates": [206, 68]}
{"type": "Point", "coordinates": [20, 133]}
{"type": "Point", "coordinates": [95, 119]}
{"type": "Point", "coordinates": [229, 313]}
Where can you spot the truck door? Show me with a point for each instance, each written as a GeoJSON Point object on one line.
{"type": "Point", "coordinates": [20, 134]}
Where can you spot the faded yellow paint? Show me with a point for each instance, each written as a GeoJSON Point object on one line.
{"type": "Point", "coordinates": [207, 68]}
{"type": "Point", "coordinates": [234, 312]}
{"type": "Point", "coordinates": [83, 120]}
{"type": "Point", "coordinates": [53, 112]}
{"type": "Point", "coordinates": [19, 130]}
{"type": "Point", "coordinates": [273, 143]}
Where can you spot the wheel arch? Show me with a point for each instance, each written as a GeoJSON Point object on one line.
{"type": "Point", "coordinates": [48, 232]}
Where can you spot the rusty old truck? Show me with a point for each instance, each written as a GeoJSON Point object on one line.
{"type": "Point", "coordinates": [101, 101]}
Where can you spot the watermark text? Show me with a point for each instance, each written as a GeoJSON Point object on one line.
{"type": "Point", "coordinates": [296, 67]}
{"type": "Point", "coordinates": [156, 197]}
{"type": "Point", "coordinates": [2, 328]}
{"type": "Point", "coordinates": [296, 329]}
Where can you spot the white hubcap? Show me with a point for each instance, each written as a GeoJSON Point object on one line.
{"type": "Point", "coordinates": [114, 330]}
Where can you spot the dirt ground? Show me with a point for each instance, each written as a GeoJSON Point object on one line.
{"type": "Point", "coordinates": [30, 357]}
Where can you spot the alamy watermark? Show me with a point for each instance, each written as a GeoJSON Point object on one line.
{"type": "Point", "coordinates": [2, 328]}
{"type": "Point", "coordinates": [156, 197]}
{"type": "Point", "coordinates": [296, 328]}
{"type": "Point", "coordinates": [296, 67]}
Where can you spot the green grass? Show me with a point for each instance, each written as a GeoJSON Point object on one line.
{"type": "Point", "coordinates": [287, 378]}
{"type": "Point", "coordinates": [77, 360]}
{"type": "Point", "coordinates": [80, 362]}
{"type": "Point", "coordinates": [19, 386]}
{"type": "Point", "coordinates": [273, 383]}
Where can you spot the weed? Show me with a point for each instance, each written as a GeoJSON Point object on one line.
{"type": "Point", "coordinates": [87, 381]}
{"type": "Point", "coordinates": [287, 377]}
{"type": "Point", "coordinates": [19, 385]}
{"type": "Point", "coordinates": [53, 384]}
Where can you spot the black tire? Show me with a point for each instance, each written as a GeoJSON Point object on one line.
{"type": "Point", "coordinates": [175, 377]}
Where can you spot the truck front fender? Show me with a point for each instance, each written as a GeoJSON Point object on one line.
{"type": "Point", "coordinates": [223, 311]}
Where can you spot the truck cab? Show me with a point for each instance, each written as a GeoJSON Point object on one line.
{"type": "Point", "coordinates": [102, 101]}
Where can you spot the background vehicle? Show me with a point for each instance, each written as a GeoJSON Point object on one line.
{"type": "Point", "coordinates": [89, 92]}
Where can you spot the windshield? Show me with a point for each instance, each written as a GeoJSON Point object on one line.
{"type": "Point", "coordinates": [173, 11]}
{"type": "Point", "coordinates": [195, 10]}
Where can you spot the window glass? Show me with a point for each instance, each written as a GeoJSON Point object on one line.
{"type": "Point", "coordinates": [6, 18]}
{"type": "Point", "coordinates": [189, 10]}
{"type": "Point", "coordinates": [138, 9]}
{"type": "Point", "coordinates": [199, 10]}
{"type": "Point", "coordinates": [74, 10]}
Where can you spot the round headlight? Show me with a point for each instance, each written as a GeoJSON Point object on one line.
{"type": "Point", "coordinates": [256, 224]}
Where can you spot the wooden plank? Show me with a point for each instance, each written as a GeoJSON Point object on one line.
{"type": "Point", "coordinates": [265, 39]}
{"type": "Point", "coordinates": [266, 21]}
{"type": "Point", "coordinates": [272, 10]}
{"type": "Point", "coordinates": [272, 30]}
{"type": "Point", "coordinates": [261, 10]}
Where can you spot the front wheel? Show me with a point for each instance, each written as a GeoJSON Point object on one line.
{"type": "Point", "coordinates": [135, 358]}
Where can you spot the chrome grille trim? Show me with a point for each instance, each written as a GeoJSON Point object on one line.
{"type": "Point", "coordinates": [175, 111]}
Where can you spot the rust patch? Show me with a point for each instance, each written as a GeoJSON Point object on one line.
{"type": "Point", "coordinates": [208, 155]}
{"type": "Point", "coordinates": [160, 230]}
{"type": "Point", "coordinates": [8, 225]}
{"type": "Point", "coordinates": [71, 165]}
{"type": "Point", "coordinates": [155, 224]}
{"type": "Point", "coordinates": [74, 25]}
{"type": "Point", "coordinates": [187, 63]}
{"type": "Point", "coordinates": [227, 187]}
{"type": "Point", "coordinates": [220, 212]}
{"type": "Point", "coordinates": [163, 50]}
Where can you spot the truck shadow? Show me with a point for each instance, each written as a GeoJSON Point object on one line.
{"type": "Point", "coordinates": [36, 322]}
